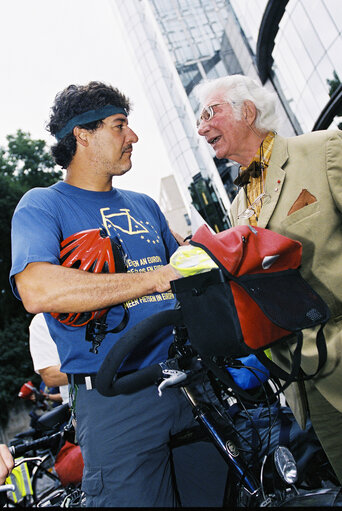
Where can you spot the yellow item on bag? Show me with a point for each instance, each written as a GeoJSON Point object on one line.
{"type": "Point", "coordinates": [189, 260]}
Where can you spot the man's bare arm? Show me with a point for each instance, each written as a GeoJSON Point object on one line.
{"type": "Point", "coordinates": [46, 287]}
{"type": "Point", "coordinates": [179, 238]}
{"type": "Point", "coordinates": [53, 377]}
{"type": "Point", "coordinates": [54, 397]}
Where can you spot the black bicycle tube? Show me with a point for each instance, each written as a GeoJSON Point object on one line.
{"type": "Point", "coordinates": [106, 384]}
{"type": "Point", "coordinates": [45, 441]}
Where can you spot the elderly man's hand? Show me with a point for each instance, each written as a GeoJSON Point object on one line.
{"type": "Point", "coordinates": [179, 238]}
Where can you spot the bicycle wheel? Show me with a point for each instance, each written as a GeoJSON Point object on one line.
{"type": "Point", "coordinates": [44, 478]}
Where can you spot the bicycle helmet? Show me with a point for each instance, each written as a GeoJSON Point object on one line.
{"type": "Point", "coordinates": [94, 251]}
{"type": "Point", "coordinates": [26, 390]}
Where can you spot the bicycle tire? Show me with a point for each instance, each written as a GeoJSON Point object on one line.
{"type": "Point", "coordinates": [44, 480]}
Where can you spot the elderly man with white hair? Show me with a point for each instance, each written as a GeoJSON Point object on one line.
{"type": "Point", "coordinates": [292, 186]}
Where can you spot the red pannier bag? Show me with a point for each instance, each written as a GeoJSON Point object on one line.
{"type": "Point", "coordinates": [256, 298]}
{"type": "Point", "coordinates": [69, 464]}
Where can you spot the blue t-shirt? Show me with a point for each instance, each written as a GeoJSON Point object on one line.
{"type": "Point", "coordinates": [46, 216]}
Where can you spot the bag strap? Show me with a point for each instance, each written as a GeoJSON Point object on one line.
{"type": "Point", "coordinates": [285, 428]}
{"type": "Point", "coordinates": [322, 350]}
{"type": "Point", "coordinates": [280, 373]}
{"type": "Point", "coordinates": [97, 329]}
{"type": "Point", "coordinates": [296, 374]}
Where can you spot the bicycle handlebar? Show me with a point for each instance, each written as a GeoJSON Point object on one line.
{"type": "Point", "coordinates": [45, 441]}
{"type": "Point", "coordinates": [106, 383]}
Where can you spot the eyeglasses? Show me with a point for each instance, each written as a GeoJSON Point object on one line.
{"type": "Point", "coordinates": [250, 211]}
{"type": "Point", "coordinates": [208, 112]}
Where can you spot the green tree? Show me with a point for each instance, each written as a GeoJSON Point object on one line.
{"type": "Point", "coordinates": [24, 164]}
{"type": "Point", "coordinates": [333, 85]}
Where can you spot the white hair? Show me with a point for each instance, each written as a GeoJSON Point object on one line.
{"type": "Point", "coordinates": [239, 88]}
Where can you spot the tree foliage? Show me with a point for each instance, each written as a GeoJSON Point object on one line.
{"type": "Point", "coordinates": [24, 164]}
{"type": "Point", "coordinates": [334, 84]}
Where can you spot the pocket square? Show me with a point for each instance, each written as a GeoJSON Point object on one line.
{"type": "Point", "coordinates": [304, 199]}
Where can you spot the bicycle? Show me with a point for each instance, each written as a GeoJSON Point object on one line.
{"type": "Point", "coordinates": [271, 481]}
{"type": "Point", "coordinates": [46, 486]}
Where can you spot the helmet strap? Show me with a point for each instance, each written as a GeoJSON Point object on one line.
{"type": "Point", "coordinates": [96, 330]}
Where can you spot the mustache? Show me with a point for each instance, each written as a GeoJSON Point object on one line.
{"type": "Point", "coordinates": [128, 148]}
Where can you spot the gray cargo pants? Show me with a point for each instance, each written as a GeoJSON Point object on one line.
{"type": "Point", "coordinates": [124, 443]}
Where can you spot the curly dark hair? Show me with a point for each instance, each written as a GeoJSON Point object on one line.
{"type": "Point", "coordinates": [75, 100]}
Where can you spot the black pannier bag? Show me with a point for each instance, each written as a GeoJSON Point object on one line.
{"type": "Point", "coordinates": [255, 299]}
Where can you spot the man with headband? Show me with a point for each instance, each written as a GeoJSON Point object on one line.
{"type": "Point", "coordinates": [124, 439]}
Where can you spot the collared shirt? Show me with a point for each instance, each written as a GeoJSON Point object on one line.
{"type": "Point", "coordinates": [256, 185]}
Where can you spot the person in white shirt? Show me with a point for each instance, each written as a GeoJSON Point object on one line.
{"type": "Point", "coordinates": [45, 357]}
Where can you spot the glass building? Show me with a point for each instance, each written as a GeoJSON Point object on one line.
{"type": "Point", "coordinates": [291, 46]}
{"type": "Point", "coordinates": [298, 47]}
{"type": "Point", "coordinates": [188, 153]}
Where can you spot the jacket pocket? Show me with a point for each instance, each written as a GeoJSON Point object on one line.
{"type": "Point", "coordinates": [301, 215]}
{"type": "Point", "coordinates": [92, 482]}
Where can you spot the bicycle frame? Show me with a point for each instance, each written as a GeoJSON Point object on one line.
{"type": "Point", "coordinates": [227, 448]}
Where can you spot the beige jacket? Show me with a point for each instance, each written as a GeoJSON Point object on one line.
{"type": "Point", "coordinates": [304, 181]}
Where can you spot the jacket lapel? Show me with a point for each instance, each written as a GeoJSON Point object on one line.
{"type": "Point", "coordinates": [239, 205]}
{"type": "Point", "coordinates": [274, 179]}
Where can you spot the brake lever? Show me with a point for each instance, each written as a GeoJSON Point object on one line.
{"type": "Point", "coordinates": [24, 460]}
{"type": "Point", "coordinates": [172, 377]}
